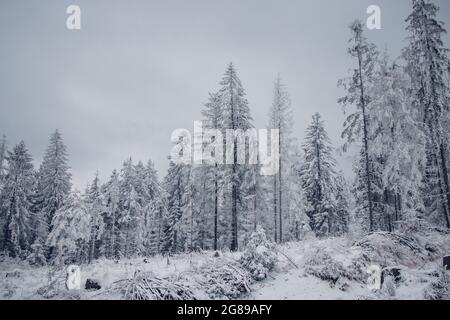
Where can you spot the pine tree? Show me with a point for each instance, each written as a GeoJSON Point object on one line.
{"type": "Point", "coordinates": [70, 234]}
{"type": "Point", "coordinates": [317, 174]}
{"type": "Point", "coordinates": [357, 123]}
{"type": "Point", "coordinates": [154, 207]}
{"type": "Point", "coordinates": [398, 141]}
{"type": "Point", "coordinates": [212, 173]}
{"type": "Point", "coordinates": [95, 207]}
{"type": "Point", "coordinates": [16, 196]}
{"type": "Point", "coordinates": [280, 117]}
{"type": "Point", "coordinates": [341, 221]}
{"type": "Point", "coordinates": [3, 161]}
{"type": "Point", "coordinates": [55, 179]}
{"type": "Point", "coordinates": [111, 194]}
{"type": "Point", "coordinates": [427, 60]}
{"type": "Point", "coordinates": [131, 213]}
{"type": "Point", "coordinates": [175, 186]}
{"type": "Point", "coordinates": [3, 152]}
{"type": "Point", "coordinates": [235, 116]}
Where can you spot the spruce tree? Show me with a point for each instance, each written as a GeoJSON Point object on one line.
{"type": "Point", "coordinates": [280, 118]}
{"type": "Point", "coordinates": [235, 116]}
{"type": "Point", "coordinates": [317, 172]}
{"type": "Point", "coordinates": [356, 126]}
{"type": "Point", "coordinates": [70, 234]}
{"type": "Point", "coordinates": [426, 64]}
{"type": "Point", "coordinates": [55, 179]}
{"type": "Point", "coordinates": [16, 201]}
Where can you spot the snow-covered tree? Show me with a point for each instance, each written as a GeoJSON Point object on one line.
{"type": "Point", "coordinates": [317, 173]}
{"type": "Point", "coordinates": [397, 142]}
{"type": "Point", "coordinates": [131, 221]}
{"type": "Point", "coordinates": [3, 153]}
{"type": "Point", "coordinates": [174, 186]}
{"type": "Point", "coordinates": [357, 123]}
{"type": "Point", "coordinates": [111, 195]}
{"type": "Point", "coordinates": [153, 208]}
{"type": "Point", "coordinates": [341, 216]}
{"type": "Point", "coordinates": [426, 64]}
{"type": "Point", "coordinates": [95, 206]}
{"type": "Point", "coordinates": [280, 118]}
{"type": "Point", "coordinates": [3, 161]}
{"type": "Point", "coordinates": [235, 116]}
{"type": "Point", "coordinates": [212, 113]}
{"type": "Point", "coordinates": [71, 231]}
{"type": "Point", "coordinates": [16, 201]}
{"type": "Point", "coordinates": [55, 179]}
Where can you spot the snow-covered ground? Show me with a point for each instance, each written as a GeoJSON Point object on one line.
{"type": "Point", "coordinates": [311, 269]}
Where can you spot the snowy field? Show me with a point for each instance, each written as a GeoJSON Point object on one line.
{"type": "Point", "coordinates": [311, 269]}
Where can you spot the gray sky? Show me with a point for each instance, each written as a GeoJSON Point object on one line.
{"type": "Point", "coordinates": [140, 69]}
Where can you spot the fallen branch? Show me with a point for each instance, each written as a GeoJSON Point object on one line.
{"type": "Point", "coordinates": [289, 259]}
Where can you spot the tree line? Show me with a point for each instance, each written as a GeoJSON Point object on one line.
{"type": "Point", "coordinates": [397, 117]}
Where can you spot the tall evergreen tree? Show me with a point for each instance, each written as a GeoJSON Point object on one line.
{"type": "Point", "coordinates": [175, 184]}
{"type": "Point", "coordinates": [317, 174]}
{"type": "Point", "coordinates": [280, 117]}
{"type": "Point", "coordinates": [16, 201]}
{"type": "Point", "coordinates": [235, 116]}
{"type": "Point", "coordinates": [427, 63]}
{"type": "Point", "coordinates": [341, 216]}
{"type": "Point", "coordinates": [357, 123]}
{"type": "Point", "coordinates": [212, 113]}
{"type": "Point", "coordinates": [111, 194]}
{"type": "Point", "coordinates": [3, 153]}
{"type": "Point", "coordinates": [55, 178]}
{"type": "Point", "coordinates": [96, 208]}
{"type": "Point", "coordinates": [131, 213]}
{"type": "Point", "coordinates": [71, 231]}
{"type": "Point", "coordinates": [398, 144]}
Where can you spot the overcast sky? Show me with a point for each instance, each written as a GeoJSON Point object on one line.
{"type": "Point", "coordinates": [137, 70]}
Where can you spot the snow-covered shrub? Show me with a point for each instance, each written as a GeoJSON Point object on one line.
{"type": "Point", "coordinates": [323, 266]}
{"type": "Point", "coordinates": [146, 286]}
{"type": "Point", "coordinates": [357, 270]}
{"type": "Point", "coordinates": [37, 256]}
{"type": "Point", "coordinates": [385, 248]}
{"type": "Point", "coordinates": [439, 288]}
{"type": "Point", "coordinates": [259, 256]}
{"type": "Point", "coordinates": [432, 238]}
{"type": "Point", "coordinates": [389, 287]}
{"type": "Point", "coordinates": [224, 280]}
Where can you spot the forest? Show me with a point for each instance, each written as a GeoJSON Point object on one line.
{"type": "Point", "coordinates": [397, 117]}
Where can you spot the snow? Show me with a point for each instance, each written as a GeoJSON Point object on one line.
{"type": "Point", "coordinates": [294, 276]}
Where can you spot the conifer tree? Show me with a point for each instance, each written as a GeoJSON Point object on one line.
{"type": "Point", "coordinates": [426, 64]}
{"type": "Point", "coordinates": [356, 126]}
{"type": "Point", "coordinates": [317, 172]}
{"type": "Point", "coordinates": [16, 201]}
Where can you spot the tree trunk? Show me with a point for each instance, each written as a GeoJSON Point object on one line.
{"type": "Point", "coordinates": [275, 209]}
{"type": "Point", "coordinates": [446, 187]}
{"type": "Point", "coordinates": [234, 192]}
{"type": "Point", "coordinates": [280, 187]}
{"type": "Point", "coordinates": [215, 207]}
{"type": "Point", "coordinates": [366, 143]}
